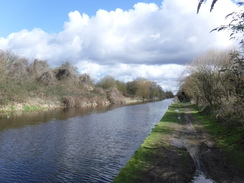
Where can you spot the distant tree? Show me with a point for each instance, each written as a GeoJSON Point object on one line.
{"type": "Point", "coordinates": [156, 91]}
{"type": "Point", "coordinates": [153, 90]}
{"type": "Point", "coordinates": [107, 82]}
{"type": "Point", "coordinates": [67, 72]}
{"type": "Point", "coordinates": [7, 58]}
{"type": "Point", "coordinates": [86, 79]}
{"type": "Point", "coordinates": [131, 88]}
{"type": "Point", "coordinates": [121, 86]}
{"type": "Point", "coordinates": [169, 94]}
{"type": "Point", "coordinates": [18, 70]}
{"type": "Point", "coordinates": [143, 86]}
{"type": "Point", "coordinates": [37, 68]}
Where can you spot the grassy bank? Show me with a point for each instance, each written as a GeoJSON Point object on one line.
{"type": "Point", "coordinates": [228, 139]}
{"type": "Point", "coordinates": [158, 161]}
{"type": "Point", "coordinates": [157, 155]}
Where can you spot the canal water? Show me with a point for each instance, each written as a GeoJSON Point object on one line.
{"type": "Point", "coordinates": [88, 145]}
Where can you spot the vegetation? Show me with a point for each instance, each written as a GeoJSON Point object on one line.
{"type": "Point", "coordinates": [236, 26]}
{"type": "Point", "coordinates": [215, 81]}
{"type": "Point", "coordinates": [32, 84]}
{"type": "Point", "coordinates": [157, 160]}
{"type": "Point", "coordinates": [140, 87]}
{"type": "Point", "coordinates": [212, 5]}
{"type": "Point", "coordinates": [228, 139]}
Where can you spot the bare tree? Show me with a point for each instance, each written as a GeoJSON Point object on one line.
{"type": "Point", "coordinates": [216, 79]}
{"type": "Point", "coordinates": [236, 26]}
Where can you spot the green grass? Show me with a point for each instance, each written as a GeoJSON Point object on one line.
{"type": "Point", "coordinates": [12, 108]}
{"type": "Point", "coordinates": [156, 145]}
{"type": "Point", "coordinates": [28, 108]}
{"type": "Point", "coordinates": [230, 140]}
{"type": "Point", "coordinates": [152, 150]}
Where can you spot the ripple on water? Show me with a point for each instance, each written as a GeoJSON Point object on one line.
{"type": "Point", "coordinates": [68, 146]}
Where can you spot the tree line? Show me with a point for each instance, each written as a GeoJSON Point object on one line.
{"type": "Point", "coordinates": [21, 81]}
{"type": "Point", "coordinates": [215, 81]}
{"type": "Point", "coordinates": [140, 87]}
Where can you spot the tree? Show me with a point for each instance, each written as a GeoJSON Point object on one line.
{"type": "Point", "coordinates": [212, 5]}
{"type": "Point", "coordinates": [233, 75]}
{"type": "Point", "coordinates": [121, 86]}
{"type": "Point", "coordinates": [131, 88]}
{"type": "Point", "coordinates": [37, 68]}
{"type": "Point", "coordinates": [169, 94]}
{"type": "Point", "coordinates": [200, 4]}
{"type": "Point", "coordinates": [204, 79]}
{"type": "Point", "coordinates": [86, 79]}
{"type": "Point", "coordinates": [7, 59]}
{"type": "Point", "coordinates": [18, 70]}
{"type": "Point", "coordinates": [216, 79]}
{"type": "Point", "coordinates": [236, 26]}
{"type": "Point", "coordinates": [143, 87]}
{"type": "Point", "coordinates": [107, 82]}
{"type": "Point", "coordinates": [67, 72]}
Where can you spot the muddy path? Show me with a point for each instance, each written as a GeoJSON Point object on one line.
{"type": "Point", "coordinates": [211, 165]}
{"type": "Point", "coordinates": [179, 150]}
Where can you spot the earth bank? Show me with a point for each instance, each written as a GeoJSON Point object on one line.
{"type": "Point", "coordinates": [180, 150]}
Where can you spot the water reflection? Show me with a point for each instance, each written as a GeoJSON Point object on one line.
{"type": "Point", "coordinates": [74, 146]}
{"type": "Point", "coordinates": [20, 119]}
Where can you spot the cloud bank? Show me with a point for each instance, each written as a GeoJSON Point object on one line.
{"type": "Point", "coordinates": [146, 41]}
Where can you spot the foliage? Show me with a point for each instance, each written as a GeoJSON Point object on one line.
{"type": "Point", "coordinates": [169, 94]}
{"type": "Point", "coordinates": [154, 160]}
{"type": "Point", "coordinates": [216, 79]}
{"type": "Point", "coordinates": [236, 26]}
{"type": "Point", "coordinates": [21, 81]}
{"type": "Point", "coordinates": [107, 82]}
{"type": "Point", "coordinates": [28, 108]}
{"type": "Point", "coordinates": [212, 5]}
{"type": "Point", "coordinates": [140, 87]}
{"type": "Point", "coordinates": [228, 139]}
{"type": "Point", "coordinates": [200, 4]}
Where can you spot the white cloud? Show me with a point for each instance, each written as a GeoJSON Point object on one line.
{"type": "Point", "coordinates": [147, 41]}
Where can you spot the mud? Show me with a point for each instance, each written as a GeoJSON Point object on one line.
{"type": "Point", "coordinates": [211, 164]}
{"type": "Point", "coordinates": [180, 152]}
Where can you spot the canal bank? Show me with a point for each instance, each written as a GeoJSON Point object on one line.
{"type": "Point", "coordinates": [179, 150]}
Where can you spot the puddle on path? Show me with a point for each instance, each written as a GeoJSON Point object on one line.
{"type": "Point", "coordinates": [188, 138]}
{"type": "Point", "coordinates": [199, 177]}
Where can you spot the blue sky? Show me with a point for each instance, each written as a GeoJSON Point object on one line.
{"type": "Point", "coordinates": [50, 15]}
{"type": "Point", "coordinates": [151, 39]}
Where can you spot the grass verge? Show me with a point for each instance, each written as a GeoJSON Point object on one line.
{"type": "Point", "coordinates": [230, 140]}
{"type": "Point", "coordinates": [157, 160]}
{"type": "Point", "coordinates": [30, 108]}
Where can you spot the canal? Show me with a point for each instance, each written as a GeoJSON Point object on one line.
{"type": "Point", "coordinates": [74, 145]}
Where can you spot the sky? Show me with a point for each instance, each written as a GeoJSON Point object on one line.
{"type": "Point", "coordinates": [153, 39]}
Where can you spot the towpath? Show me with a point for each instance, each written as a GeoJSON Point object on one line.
{"type": "Point", "coordinates": [179, 150]}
